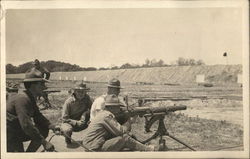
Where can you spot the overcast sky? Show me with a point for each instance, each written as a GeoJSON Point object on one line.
{"type": "Point", "coordinates": [105, 37]}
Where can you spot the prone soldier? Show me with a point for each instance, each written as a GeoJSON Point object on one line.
{"type": "Point", "coordinates": [105, 133]}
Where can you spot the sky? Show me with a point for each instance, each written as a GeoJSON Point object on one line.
{"type": "Point", "coordinates": [108, 37]}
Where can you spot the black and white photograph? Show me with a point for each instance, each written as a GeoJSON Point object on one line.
{"type": "Point", "coordinates": [125, 79]}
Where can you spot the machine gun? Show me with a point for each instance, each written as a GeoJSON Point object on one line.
{"type": "Point", "coordinates": [152, 114]}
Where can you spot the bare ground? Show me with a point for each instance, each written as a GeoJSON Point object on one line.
{"type": "Point", "coordinates": [212, 124]}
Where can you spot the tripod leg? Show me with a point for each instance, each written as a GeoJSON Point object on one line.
{"type": "Point", "coordinates": [162, 145]}
{"type": "Point", "coordinates": [181, 142]}
{"type": "Point", "coordinates": [151, 138]}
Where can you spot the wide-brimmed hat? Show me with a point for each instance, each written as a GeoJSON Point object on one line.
{"type": "Point", "coordinates": [81, 86]}
{"type": "Point", "coordinates": [34, 76]}
{"type": "Point", "coordinates": [112, 100]}
{"type": "Point", "coordinates": [114, 83]}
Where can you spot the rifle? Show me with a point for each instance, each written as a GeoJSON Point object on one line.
{"type": "Point", "coordinates": [151, 114]}
{"type": "Point", "coordinates": [46, 102]}
{"type": "Point", "coordinates": [51, 91]}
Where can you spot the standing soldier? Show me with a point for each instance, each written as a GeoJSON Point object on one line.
{"type": "Point", "coordinates": [76, 111]}
{"type": "Point", "coordinates": [45, 74]}
{"type": "Point", "coordinates": [114, 87]}
{"type": "Point", "coordinates": [43, 70]}
{"type": "Point", "coordinates": [24, 120]}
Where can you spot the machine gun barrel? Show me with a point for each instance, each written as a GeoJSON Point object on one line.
{"type": "Point", "coordinates": [142, 111]}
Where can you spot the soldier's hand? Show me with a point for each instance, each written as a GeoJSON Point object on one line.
{"type": "Point", "coordinates": [48, 146]}
{"type": "Point", "coordinates": [80, 123]}
{"type": "Point", "coordinates": [71, 122]}
{"type": "Point", "coordinates": [57, 130]}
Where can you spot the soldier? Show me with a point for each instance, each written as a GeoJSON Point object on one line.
{"type": "Point", "coordinates": [45, 74]}
{"type": "Point", "coordinates": [76, 111]}
{"type": "Point", "coordinates": [104, 132]}
{"type": "Point", "coordinates": [11, 90]}
{"type": "Point", "coordinates": [114, 87]}
{"type": "Point", "coordinates": [24, 120]}
{"type": "Point", "coordinates": [43, 70]}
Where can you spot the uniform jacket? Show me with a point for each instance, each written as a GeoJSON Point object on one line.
{"type": "Point", "coordinates": [103, 127]}
{"type": "Point", "coordinates": [23, 115]}
{"type": "Point", "coordinates": [77, 110]}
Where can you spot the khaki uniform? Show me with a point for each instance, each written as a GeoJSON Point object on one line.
{"type": "Point", "coordinates": [78, 111]}
{"type": "Point", "coordinates": [99, 105]}
{"type": "Point", "coordinates": [104, 133]}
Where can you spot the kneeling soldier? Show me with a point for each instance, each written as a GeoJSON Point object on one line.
{"type": "Point", "coordinates": [76, 111]}
{"type": "Point", "coordinates": [104, 132]}
{"type": "Point", "coordinates": [24, 120]}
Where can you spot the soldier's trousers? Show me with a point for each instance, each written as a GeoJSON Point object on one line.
{"type": "Point", "coordinates": [16, 137]}
{"type": "Point", "coordinates": [67, 129]}
{"type": "Point", "coordinates": [125, 141]}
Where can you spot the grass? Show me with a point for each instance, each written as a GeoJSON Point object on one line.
{"type": "Point", "coordinates": [202, 134]}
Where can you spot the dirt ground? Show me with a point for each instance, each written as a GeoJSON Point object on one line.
{"type": "Point", "coordinates": [213, 120]}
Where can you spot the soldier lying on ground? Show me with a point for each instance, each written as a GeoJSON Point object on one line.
{"type": "Point", "coordinates": [24, 120]}
{"type": "Point", "coordinates": [104, 132]}
{"type": "Point", "coordinates": [76, 111]}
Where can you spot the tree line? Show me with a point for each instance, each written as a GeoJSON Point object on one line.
{"type": "Point", "coordinates": [56, 66]}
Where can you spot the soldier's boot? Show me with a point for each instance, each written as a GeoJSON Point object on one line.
{"type": "Point", "coordinates": [137, 146]}
{"type": "Point", "coordinates": [68, 140]}
{"type": "Point", "coordinates": [68, 137]}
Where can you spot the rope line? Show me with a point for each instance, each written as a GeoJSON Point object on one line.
{"type": "Point", "coordinates": [89, 150]}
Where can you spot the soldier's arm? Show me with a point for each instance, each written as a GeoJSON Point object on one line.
{"type": "Point", "coordinates": [23, 110]}
{"type": "Point", "coordinates": [114, 127]}
{"type": "Point", "coordinates": [86, 114]}
{"type": "Point", "coordinates": [40, 119]}
{"type": "Point", "coordinates": [97, 106]}
{"type": "Point", "coordinates": [65, 111]}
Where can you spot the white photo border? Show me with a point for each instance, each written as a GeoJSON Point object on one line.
{"type": "Point", "coordinates": [130, 4]}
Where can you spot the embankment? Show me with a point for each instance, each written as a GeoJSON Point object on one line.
{"type": "Point", "coordinates": [156, 75]}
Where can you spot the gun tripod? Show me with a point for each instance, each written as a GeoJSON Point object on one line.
{"type": "Point", "coordinates": [161, 132]}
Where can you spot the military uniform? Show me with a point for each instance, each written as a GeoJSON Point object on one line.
{"type": "Point", "coordinates": [46, 75]}
{"type": "Point", "coordinates": [78, 112]}
{"type": "Point", "coordinates": [24, 122]}
{"type": "Point", "coordinates": [99, 104]}
{"type": "Point", "coordinates": [114, 87]}
{"type": "Point", "coordinates": [104, 133]}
